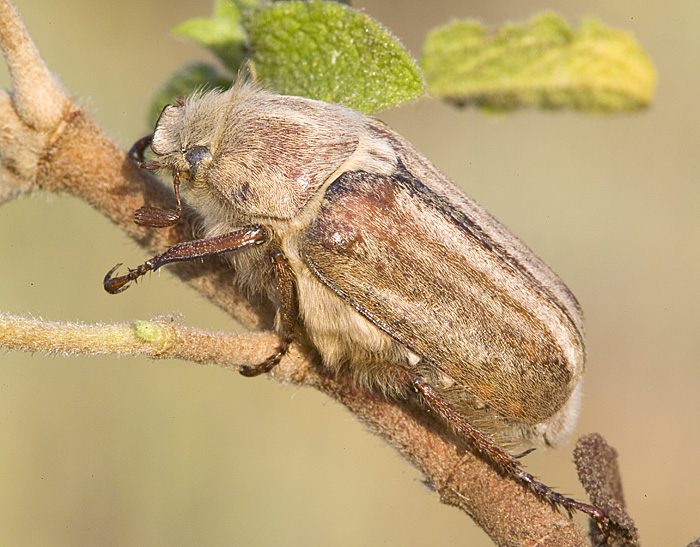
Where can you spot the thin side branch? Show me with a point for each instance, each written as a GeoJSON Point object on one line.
{"type": "Point", "coordinates": [598, 471]}
{"type": "Point", "coordinates": [39, 100]}
{"type": "Point", "coordinates": [160, 338]}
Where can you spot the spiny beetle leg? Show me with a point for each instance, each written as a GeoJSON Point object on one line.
{"type": "Point", "coordinates": [502, 459]}
{"type": "Point", "coordinates": [188, 250]}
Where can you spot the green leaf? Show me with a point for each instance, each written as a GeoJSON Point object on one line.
{"type": "Point", "coordinates": [327, 51]}
{"type": "Point", "coordinates": [223, 34]}
{"type": "Point", "coordinates": [540, 63]}
{"type": "Point", "coordinates": [182, 83]}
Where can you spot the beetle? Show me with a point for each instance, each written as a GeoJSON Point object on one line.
{"type": "Point", "coordinates": [393, 272]}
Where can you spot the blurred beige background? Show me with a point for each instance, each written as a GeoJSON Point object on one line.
{"type": "Point", "coordinates": [106, 451]}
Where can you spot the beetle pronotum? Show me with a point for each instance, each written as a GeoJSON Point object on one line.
{"type": "Point", "coordinates": [394, 274]}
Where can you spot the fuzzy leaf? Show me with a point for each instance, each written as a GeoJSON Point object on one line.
{"type": "Point", "coordinates": [223, 34]}
{"type": "Point", "coordinates": [327, 51]}
{"type": "Point", "coordinates": [540, 63]}
{"type": "Point", "coordinates": [182, 83]}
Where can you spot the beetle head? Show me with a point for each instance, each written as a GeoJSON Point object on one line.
{"type": "Point", "coordinates": [253, 153]}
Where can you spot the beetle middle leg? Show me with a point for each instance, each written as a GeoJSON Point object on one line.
{"type": "Point", "coordinates": [289, 311]}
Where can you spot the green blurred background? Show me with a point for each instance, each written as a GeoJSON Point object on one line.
{"type": "Point", "coordinates": [106, 451]}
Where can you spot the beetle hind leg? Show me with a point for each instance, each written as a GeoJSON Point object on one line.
{"type": "Point", "coordinates": [506, 463]}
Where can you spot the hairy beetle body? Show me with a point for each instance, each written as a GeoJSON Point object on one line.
{"type": "Point", "coordinates": [393, 266]}
{"type": "Point", "coordinates": [394, 274]}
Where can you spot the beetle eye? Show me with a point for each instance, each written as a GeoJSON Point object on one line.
{"type": "Point", "coordinates": [197, 154]}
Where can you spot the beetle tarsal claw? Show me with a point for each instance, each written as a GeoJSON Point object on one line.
{"type": "Point", "coordinates": [115, 285]}
{"type": "Point", "coordinates": [266, 366]}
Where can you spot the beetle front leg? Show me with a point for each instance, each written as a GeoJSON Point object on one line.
{"type": "Point", "coordinates": [188, 250]}
{"type": "Point", "coordinates": [289, 311]}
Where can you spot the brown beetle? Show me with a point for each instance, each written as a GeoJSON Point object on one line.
{"type": "Point", "coordinates": [392, 271]}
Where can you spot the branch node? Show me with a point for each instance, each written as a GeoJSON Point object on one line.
{"type": "Point", "coordinates": [160, 333]}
